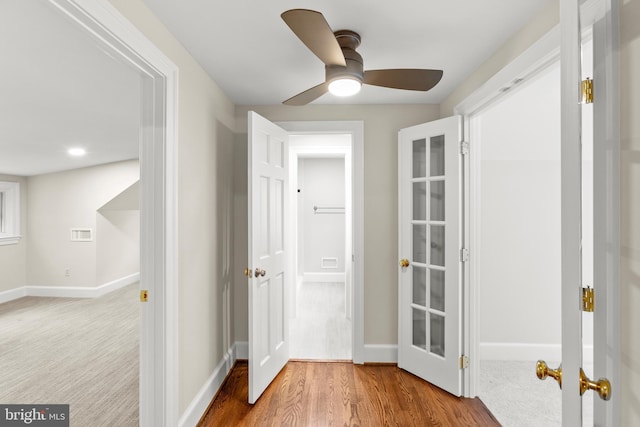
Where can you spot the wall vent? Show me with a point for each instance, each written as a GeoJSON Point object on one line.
{"type": "Point", "coordinates": [81, 235]}
{"type": "Point", "coordinates": [326, 262]}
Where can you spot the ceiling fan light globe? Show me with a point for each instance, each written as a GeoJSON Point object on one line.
{"type": "Point", "coordinates": [345, 87]}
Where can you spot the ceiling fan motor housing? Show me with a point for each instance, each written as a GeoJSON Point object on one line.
{"type": "Point", "coordinates": [348, 41]}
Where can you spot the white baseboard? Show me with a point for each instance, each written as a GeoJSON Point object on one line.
{"type": "Point", "coordinates": [380, 353]}
{"type": "Point", "coordinates": [201, 401]}
{"type": "Point", "coordinates": [203, 398]}
{"type": "Point", "coordinates": [242, 350]}
{"type": "Point", "coordinates": [528, 352]}
{"type": "Point", "coordinates": [11, 294]}
{"type": "Point", "coordinates": [323, 277]}
{"type": "Point", "coordinates": [520, 351]}
{"type": "Point", "coordinates": [69, 291]}
{"type": "Point", "coordinates": [117, 284]}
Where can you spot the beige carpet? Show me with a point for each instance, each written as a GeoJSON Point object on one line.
{"type": "Point", "coordinates": [517, 398]}
{"type": "Point", "coordinates": [83, 352]}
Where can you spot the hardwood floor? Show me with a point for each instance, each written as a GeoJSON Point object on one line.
{"type": "Point", "coordinates": [342, 394]}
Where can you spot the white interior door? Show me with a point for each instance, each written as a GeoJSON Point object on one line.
{"type": "Point", "coordinates": [606, 208]}
{"type": "Point", "coordinates": [268, 205]}
{"type": "Point", "coordinates": [429, 250]}
{"type": "Point", "coordinates": [601, 17]}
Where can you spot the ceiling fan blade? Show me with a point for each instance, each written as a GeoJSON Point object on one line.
{"type": "Point", "coordinates": [308, 95]}
{"type": "Point", "coordinates": [403, 78]}
{"type": "Point", "coordinates": [314, 31]}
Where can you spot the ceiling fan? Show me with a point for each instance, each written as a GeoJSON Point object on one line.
{"type": "Point", "coordinates": [343, 65]}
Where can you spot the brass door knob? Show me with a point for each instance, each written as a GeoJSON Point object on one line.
{"type": "Point", "coordinates": [543, 371]}
{"type": "Point", "coordinates": [248, 272]}
{"type": "Point", "coordinates": [404, 263]}
{"type": "Point", "coordinates": [602, 386]}
{"type": "Point", "coordinates": [260, 272]}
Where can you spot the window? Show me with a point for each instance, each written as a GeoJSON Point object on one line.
{"type": "Point", "coordinates": [9, 213]}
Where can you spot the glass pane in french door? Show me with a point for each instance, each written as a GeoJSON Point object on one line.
{"type": "Point", "coordinates": [428, 239]}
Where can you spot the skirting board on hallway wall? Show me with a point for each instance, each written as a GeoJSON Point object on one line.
{"type": "Point", "coordinates": [527, 352]}
{"type": "Point", "coordinates": [69, 291]}
{"type": "Point", "coordinates": [373, 353]}
{"type": "Point", "coordinates": [11, 294]}
{"type": "Point", "coordinates": [203, 398]}
{"type": "Point", "coordinates": [380, 353]}
{"type": "Point", "coordinates": [323, 277]}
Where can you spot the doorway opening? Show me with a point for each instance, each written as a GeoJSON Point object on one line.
{"type": "Point", "coordinates": [517, 248]}
{"type": "Point", "coordinates": [321, 296]}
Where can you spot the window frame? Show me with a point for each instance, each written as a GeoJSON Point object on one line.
{"type": "Point", "coordinates": [10, 215]}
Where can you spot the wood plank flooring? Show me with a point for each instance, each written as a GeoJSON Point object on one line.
{"type": "Point", "coordinates": [342, 394]}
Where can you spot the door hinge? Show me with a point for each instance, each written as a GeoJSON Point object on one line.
{"type": "Point", "coordinates": [588, 299]}
{"type": "Point", "coordinates": [464, 362]}
{"type": "Point", "coordinates": [464, 255]}
{"type": "Point", "coordinates": [586, 91]}
{"type": "Point", "coordinates": [464, 147]}
{"type": "Point", "coordinates": [144, 296]}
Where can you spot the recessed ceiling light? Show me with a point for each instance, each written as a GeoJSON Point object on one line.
{"type": "Point", "coordinates": [77, 152]}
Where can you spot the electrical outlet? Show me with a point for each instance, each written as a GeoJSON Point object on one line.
{"type": "Point", "coordinates": [67, 272]}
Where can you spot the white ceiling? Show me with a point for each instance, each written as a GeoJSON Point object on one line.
{"type": "Point", "coordinates": [251, 53]}
{"type": "Point", "coordinates": [60, 90]}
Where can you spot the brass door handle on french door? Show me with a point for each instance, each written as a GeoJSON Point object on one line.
{"type": "Point", "coordinates": [404, 263]}
{"type": "Point", "coordinates": [602, 386]}
{"type": "Point", "coordinates": [543, 371]}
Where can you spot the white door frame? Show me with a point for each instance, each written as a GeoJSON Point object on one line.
{"type": "Point", "coordinates": [158, 201]}
{"type": "Point", "coordinates": [536, 58]}
{"type": "Point", "coordinates": [356, 130]}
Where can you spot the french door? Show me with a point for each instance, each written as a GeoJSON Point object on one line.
{"type": "Point", "coordinates": [429, 338]}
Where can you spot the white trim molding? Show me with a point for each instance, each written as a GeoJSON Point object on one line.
{"type": "Point", "coordinates": [9, 213]}
{"type": "Point", "coordinates": [159, 384]}
{"type": "Point", "coordinates": [380, 353]}
{"type": "Point", "coordinates": [241, 349]}
{"type": "Point", "coordinates": [207, 392]}
{"type": "Point", "coordinates": [68, 291]}
{"type": "Point", "coordinates": [356, 129]}
{"type": "Point", "coordinates": [13, 294]}
{"type": "Point", "coordinates": [323, 277]}
{"type": "Point", "coordinates": [528, 352]}
{"type": "Point", "coordinates": [536, 58]}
